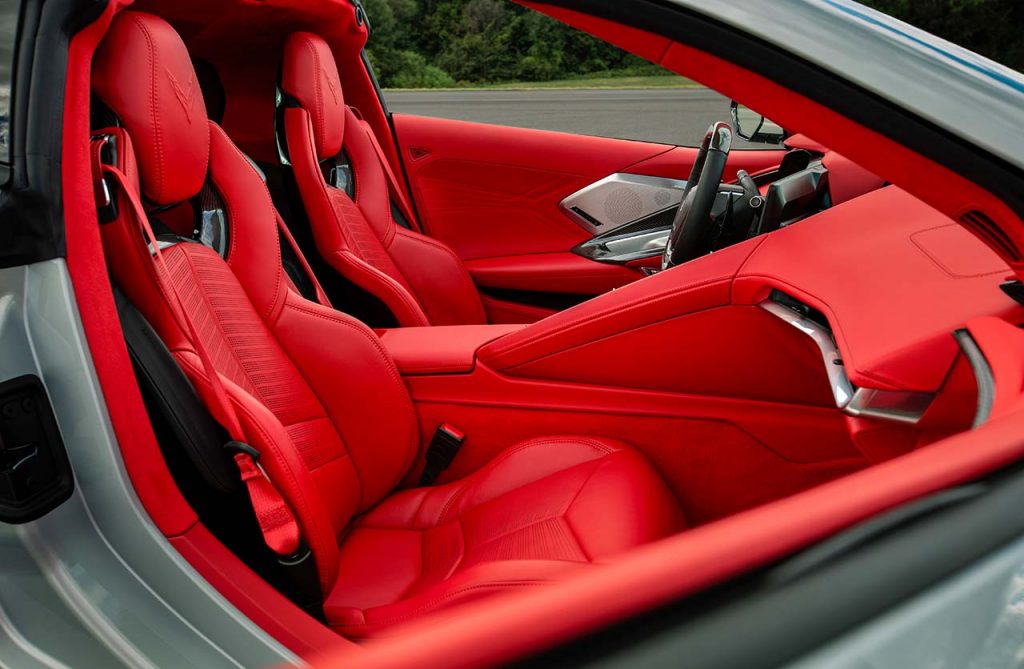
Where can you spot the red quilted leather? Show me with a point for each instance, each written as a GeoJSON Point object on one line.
{"type": "Point", "coordinates": [321, 400]}
{"type": "Point", "coordinates": [421, 280]}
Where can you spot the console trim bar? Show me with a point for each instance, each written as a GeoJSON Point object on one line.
{"type": "Point", "coordinates": [895, 405]}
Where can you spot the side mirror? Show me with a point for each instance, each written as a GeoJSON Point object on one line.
{"type": "Point", "coordinates": [753, 127]}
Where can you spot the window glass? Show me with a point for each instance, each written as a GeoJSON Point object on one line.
{"type": "Point", "coordinates": [493, 61]}
{"type": "Point", "coordinates": [8, 32]}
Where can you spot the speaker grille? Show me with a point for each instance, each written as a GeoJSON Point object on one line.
{"type": "Point", "coordinates": [623, 205]}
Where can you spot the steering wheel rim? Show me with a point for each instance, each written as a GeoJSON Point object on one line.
{"type": "Point", "coordinates": [693, 218]}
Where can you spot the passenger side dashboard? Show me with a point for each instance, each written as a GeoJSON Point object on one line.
{"type": "Point", "coordinates": [735, 405]}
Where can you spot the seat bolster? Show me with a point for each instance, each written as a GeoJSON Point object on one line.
{"type": "Point", "coordinates": [282, 463]}
{"type": "Point", "coordinates": [477, 582]}
{"type": "Point", "coordinates": [395, 297]}
{"type": "Point", "coordinates": [439, 279]}
{"type": "Point", "coordinates": [368, 405]}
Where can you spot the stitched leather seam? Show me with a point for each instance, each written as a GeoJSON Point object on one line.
{"type": "Point", "coordinates": [216, 323]}
{"type": "Point", "coordinates": [286, 467]}
{"type": "Point", "coordinates": [468, 285]}
{"type": "Point", "coordinates": [940, 264]}
{"type": "Point", "coordinates": [434, 603]}
{"type": "Point", "coordinates": [154, 107]}
{"type": "Point", "coordinates": [388, 363]}
{"type": "Point", "coordinates": [270, 201]}
{"type": "Point", "coordinates": [395, 289]}
{"type": "Point", "coordinates": [344, 451]}
{"type": "Point", "coordinates": [326, 415]}
{"type": "Point", "coordinates": [565, 511]}
{"type": "Point", "coordinates": [320, 111]}
{"type": "Point", "coordinates": [556, 515]}
{"type": "Point", "coordinates": [502, 352]}
{"type": "Point", "coordinates": [596, 445]}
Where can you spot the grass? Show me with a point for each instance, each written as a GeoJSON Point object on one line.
{"type": "Point", "coordinates": [650, 81]}
{"type": "Point", "coordinates": [610, 82]}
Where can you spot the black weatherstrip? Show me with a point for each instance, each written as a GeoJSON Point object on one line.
{"type": "Point", "coordinates": [31, 205]}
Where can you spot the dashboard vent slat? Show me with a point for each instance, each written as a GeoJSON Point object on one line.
{"type": "Point", "coordinates": [988, 230]}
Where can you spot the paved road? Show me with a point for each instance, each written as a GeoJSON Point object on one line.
{"type": "Point", "coordinates": [674, 116]}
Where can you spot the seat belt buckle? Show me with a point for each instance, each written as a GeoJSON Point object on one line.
{"type": "Point", "coordinates": [443, 448]}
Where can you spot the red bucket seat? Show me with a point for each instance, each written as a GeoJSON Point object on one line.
{"type": "Point", "coordinates": [419, 279]}
{"type": "Point", "coordinates": [320, 400]}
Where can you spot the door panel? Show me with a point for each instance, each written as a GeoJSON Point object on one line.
{"type": "Point", "coordinates": [491, 190]}
{"type": "Point", "coordinates": [497, 195]}
{"type": "Point", "coordinates": [549, 272]}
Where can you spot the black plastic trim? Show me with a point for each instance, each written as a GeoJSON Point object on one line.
{"type": "Point", "coordinates": [31, 206]}
{"type": "Point", "coordinates": [35, 473]}
{"type": "Point", "coordinates": [536, 298]}
{"type": "Point", "coordinates": [172, 395]}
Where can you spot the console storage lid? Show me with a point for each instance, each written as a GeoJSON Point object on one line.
{"type": "Point", "coordinates": [444, 349]}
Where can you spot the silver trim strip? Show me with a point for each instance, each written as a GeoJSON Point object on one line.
{"type": "Point", "coordinates": [898, 405]}
{"type": "Point", "coordinates": [842, 389]}
{"type": "Point", "coordinates": [894, 405]}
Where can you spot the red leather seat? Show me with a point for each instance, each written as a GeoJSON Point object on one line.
{"type": "Point", "coordinates": [319, 398]}
{"type": "Point", "coordinates": [420, 279]}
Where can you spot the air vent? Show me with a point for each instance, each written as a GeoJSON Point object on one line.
{"type": "Point", "coordinates": [587, 217]}
{"type": "Point", "coordinates": [983, 226]}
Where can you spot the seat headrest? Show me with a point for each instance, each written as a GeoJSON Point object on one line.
{"type": "Point", "coordinates": [143, 73]}
{"type": "Point", "coordinates": [310, 76]}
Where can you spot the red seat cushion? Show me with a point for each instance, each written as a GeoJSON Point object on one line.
{"type": "Point", "coordinates": [539, 509]}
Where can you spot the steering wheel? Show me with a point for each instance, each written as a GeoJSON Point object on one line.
{"type": "Point", "coordinates": [693, 219]}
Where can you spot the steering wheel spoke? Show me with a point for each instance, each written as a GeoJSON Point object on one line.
{"type": "Point", "coordinates": [691, 226]}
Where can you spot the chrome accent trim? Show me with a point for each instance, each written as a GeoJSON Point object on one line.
{"type": "Point", "coordinates": [982, 376]}
{"type": "Point", "coordinates": [652, 195]}
{"type": "Point", "coordinates": [625, 248]}
{"type": "Point", "coordinates": [895, 405]}
{"type": "Point", "coordinates": [842, 389]}
{"type": "Point", "coordinates": [898, 405]}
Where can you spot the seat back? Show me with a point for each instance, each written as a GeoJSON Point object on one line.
{"type": "Point", "coordinates": [420, 279]}
{"type": "Point", "coordinates": [317, 395]}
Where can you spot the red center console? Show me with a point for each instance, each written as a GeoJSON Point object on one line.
{"type": "Point", "coordinates": [703, 370]}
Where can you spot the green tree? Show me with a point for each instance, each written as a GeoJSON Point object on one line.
{"type": "Point", "coordinates": [993, 28]}
{"type": "Point", "coordinates": [440, 42]}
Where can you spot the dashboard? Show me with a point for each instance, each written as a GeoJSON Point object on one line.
{"type": "Point", "coordinates": [637, 211]}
